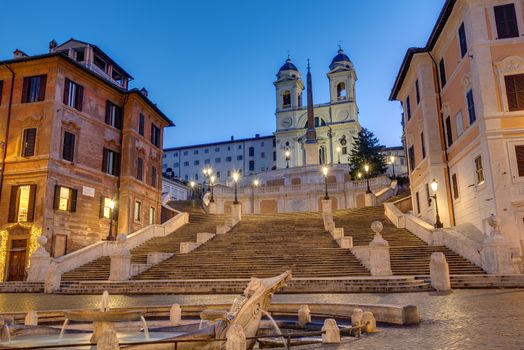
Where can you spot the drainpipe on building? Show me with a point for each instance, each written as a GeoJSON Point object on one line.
{"type": "Point", "coordinates": [451, 207]}
{"type": "Point", "coordinates": [4, 148]}
{"type": "Point", "coordinates": [120, 168]}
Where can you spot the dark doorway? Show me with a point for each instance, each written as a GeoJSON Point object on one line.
{"type": "Point", "coordinates": [17, 259]}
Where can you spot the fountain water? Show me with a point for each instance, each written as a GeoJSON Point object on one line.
{"type": "Point", "coordinates": [62, 330]}
{"type": "Point", "coordinates": [105, 301]}
{"type": "Point", "coordinates": [275, 325]}
{"type": "Point", "coordinates": [8, 331]}
{"type": "Point", "coordinates": [146, 329]}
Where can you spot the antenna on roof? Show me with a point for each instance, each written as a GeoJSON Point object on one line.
{"type": "Point", "coordinates": [340, 44]}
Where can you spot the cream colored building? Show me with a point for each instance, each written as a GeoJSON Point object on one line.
{"type": "Point", "coordinates": [336, 121]}
{"type": "Point", "coordinates": [463, 101]}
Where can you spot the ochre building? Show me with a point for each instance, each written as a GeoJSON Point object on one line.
{"type": "Point", "coordinates": [73, 138]}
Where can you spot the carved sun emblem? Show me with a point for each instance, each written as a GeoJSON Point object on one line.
{"type": "Point", "coordinates": [256, 310]}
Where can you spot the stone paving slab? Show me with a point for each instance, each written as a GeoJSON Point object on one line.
{"type": "Point", "coordinates": [463, 320]}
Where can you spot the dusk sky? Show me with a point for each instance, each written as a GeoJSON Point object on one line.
{"type": "Point", "coordinates": [210, 65]}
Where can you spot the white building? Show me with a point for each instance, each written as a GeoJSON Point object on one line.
{"type": "Point", "coordinates": [336, 122]}
{"type": "Point", "coordinates": [248, 156]}
{"type": "Point", "coordinates": [399, 166]}
{"type": "Point", "coordinates": [173, 190]}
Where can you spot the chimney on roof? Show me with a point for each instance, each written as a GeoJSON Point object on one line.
{"type": "Point", "coordinates": [52, 45]}
{"type": "Point", "coordinates": [257, 136]}
{"type": "Point", "coordinates": [232, 138]}
{"type": "Point", "coordinates": [19, 54]}
{"type": "Point", "coordinates": [144, 92]}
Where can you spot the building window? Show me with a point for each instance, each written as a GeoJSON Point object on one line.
{"type": "Point", "coordinates": [515, 91]}
{"type": "Point", "coordinates": [113, 115]}
{"type": "Point", "coordinates": [207, 161]}
{"type": "Point", "coordinates": [196, 176]}
{"type": "Point", "coordinates": [105, 207]}
{"type": "Point", "coordinates": [229, 173]}
{"type": "Point", "coordinates": [218, 174]}
{"type": "Point", "coordinates": [239, 146]}
{"type": "Point", "coordinates": [139, 169]}
{"type": "Point", "coordinates": [418, 202]}
{"type": "Point", "coordinates": [195, 151]}
{"type": "Point", "coordinates": [449, 132]}
{"type": "Point", "coordinates": [274, 156]}
{"type": "Point", "coordinates": [428, 195]}
{"type": "Point", "coordinates": [423, 145]}
{"type": "Point", "coordinates": [228, 159]}
{"type": "Point", "coordinates": [196, 162]}
{"type": "Point", "coordinates": [411, 155]}
{"type": "Point", "coordinates": [68, 148]}
{"type": "Point", "coordinates": [155, 135]}
{"type": "Point", "coordinates": [137, 216]}
{"type": "Point", "coordinates": [262, 155]}
{"type": "Point", "coordinates": [73, 94]}
{"type": "Point", "coordinates": [141, 124]}
{"type": "Point", "coordinates": [262, 144]}
{"type": "Point", "coordinates": [462, 40]}
{"type": "Point", "coordinates": [185, 153]}
{"type": "Point", "coordinates": [408, 108]}
{"type": "Point", "coordinates": [417, 91]}
{"type": "Point", "coordinates": [341, 91]}
{"type": "Point", "coordinates": [217, 149]}
{"type": "Point", "coordinates": [454, 185]}
{"type": "Point", "coordinates": [442, 70]}
{"type": "Point", "coordinates": [471, 107]}
{"type": "Point", "coordinates": [151, 216]}
{"type": "Point", "coordinates": [206, 150]}
{"type": "Point", "coordinates": [34, 89]}
{"type": "Point", "coordinates": [65, 198]}
{"type": "Point", "coordinates": [286, 99]}
{"type": "Point", "coordinates": [29, 142]}
{"type": "Point", "coordinates": [175, 165]}
{"type": "Point", "coordinates": [111, 162]}
{"type": "Point", "coordinates": [506, 21]}
{"type": "Point", "coordinates": [251, 151]}
{"type": "Point", "coordinates": [217, 160]}
{"type": "Point", "coordinates": [186, 163]}
{"type": "Point", "coordinates": [479, 170]}
{"type": "Point", "coordinates": [344, 150]}
{"type": "Point", "coordinates": [153, 177]}
{"type": "Point", "coordinates": [460, 123]}
{"type": "Point", "coordinates": [319, 122]}
{"type": "Point", "coordinates": [251, 165]}
{"type": "Point", "coordinates": [22, 203]}
{"type": "Point", "coordinates": [239, 157]}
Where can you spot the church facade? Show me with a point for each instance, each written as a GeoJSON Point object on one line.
{"type": "Point", "coordinates": [336, 122]}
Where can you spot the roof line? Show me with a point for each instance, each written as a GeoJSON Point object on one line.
{"type": "Point", "coordinates": [218, 143]}
{"type": "Point", "coordinates": [443, 17]}
{"type": "Point", "coordinates": [93, 74]}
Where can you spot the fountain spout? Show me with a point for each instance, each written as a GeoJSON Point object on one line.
{"type": "Point", "coordinates": [105, 301]}
{"type": "Point", "coordinates": [146, 329]}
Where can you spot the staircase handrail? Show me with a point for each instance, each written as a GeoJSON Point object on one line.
{"type": "Point", "coordinates": [97, 250]}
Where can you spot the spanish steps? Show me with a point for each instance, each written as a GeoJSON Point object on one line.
{"type": "Point", "coordinates": [267, 244]}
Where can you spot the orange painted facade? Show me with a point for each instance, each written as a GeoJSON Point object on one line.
{"type": "Point", "coordinates": [55, 178]}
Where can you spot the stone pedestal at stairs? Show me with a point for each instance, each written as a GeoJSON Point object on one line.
{"type": "Point", "coordinates": [495, 253]}
{"type": "Point", "coordinates": [331, 331]}
{"type": "Point", "coordinates": [236, 338]}
{"type": "Point", "coordinates": [120, 269]}
{"type": "Point", "coordinates": [53, 277]}
{"type": "Point", "coordinates": [439, 272]}
{"type": "Point", "coordinates": [370, 200]}
{"type": "Point", "coordinates": [212, 208]}
{"type": "Point", "coordinates": [40, 261]}
{"type": "Point", "coordinates": [311, 153]}
{"type": "Point", "coordinates": [236, 212]}
{"type": "Point", "coordinates": [379, 259]}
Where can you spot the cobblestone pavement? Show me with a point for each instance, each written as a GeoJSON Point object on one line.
{"type": "Point", "coordinates": [465, 319]}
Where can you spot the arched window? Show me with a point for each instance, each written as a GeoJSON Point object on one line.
{"type": "Point", "coordinates": [319, 122]}
{"type": "Point", "coordinates": [341, 91]}
{"type": "Point", "coordinates": [286, 99]}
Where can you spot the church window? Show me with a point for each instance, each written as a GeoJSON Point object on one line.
{"type": "Point", "coordinates": [300, 100]}
{"type": "Point", "coordinates": [286, 99]}
{"type": "Point", "coordinates": [344, 150]}
{"type": "Point", "coordinates": [319, 122]}
{"type": "Point", "coordinates": [341, 91]}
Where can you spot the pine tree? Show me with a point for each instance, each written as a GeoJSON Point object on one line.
{"type": "Point", "coordinates": [366, 150]}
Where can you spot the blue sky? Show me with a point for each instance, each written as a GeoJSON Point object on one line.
{"type": "Point", "coordinates": [210, 65]}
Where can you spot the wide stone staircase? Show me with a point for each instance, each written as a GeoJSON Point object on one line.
{"type": "Point", "coordinates": [409, 254]}
{"type": "Point", "coordinates": [198, 222]}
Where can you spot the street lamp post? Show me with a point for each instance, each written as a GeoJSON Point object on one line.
{"type": "Point", "coordinates": [325, 170]}
{"type": "Point", "coordinates": [110, 236]}
{"type": "Point", "coordinates": [366, 169]}
{"type": "Point", "coordinates": [207, 174]}
{"type": "Point", "coordinates": [392, 159]}
{"type": "Point", "coordinates": [255, 185]}
{"type": "Point", "coordinates": [434, 187]}
{"type": "Point", "coordinates": [288, 157]}
{"type": "Point", "coordinates": [339, 149]}
{"type": "Point", "coordinates": [212, 184]}
{"type": "Point", "coordinates": [192, 186]}
{"type": "Point", "coordinates": [236, 176]}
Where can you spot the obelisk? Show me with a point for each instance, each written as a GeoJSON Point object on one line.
{"type": "Point", "coordinates": [311, 145]}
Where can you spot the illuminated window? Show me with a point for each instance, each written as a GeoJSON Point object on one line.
{"type": "Point", "coordinates": [479, 170]}
{"type": "Point", "coordinates": [106, 209]}
{"type": "Point", "coordinates": [65, 199]}
{"type": "Point", "coordinates": [138, 210]}
{"type": "Point", "coordinates": [151, 216]}
{"type": "Point", "coordinates": [286, 99]}
{"type": "Point", "coordinates": [63, 203]}
{"type": "Point", "coordinates": [23, 206]}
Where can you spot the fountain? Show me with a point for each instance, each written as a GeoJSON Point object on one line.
{"type": "Point", "coordinates": [104, 319]}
